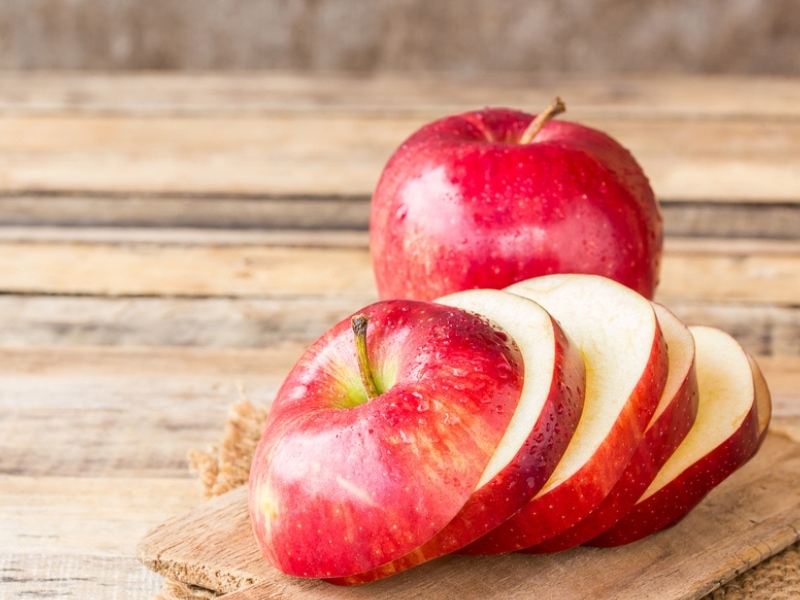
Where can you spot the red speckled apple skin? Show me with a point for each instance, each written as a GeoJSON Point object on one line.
{"type": "Point", "coordinates": [338, 490]}
{"type": "Point", "coordinates": [461, 205]}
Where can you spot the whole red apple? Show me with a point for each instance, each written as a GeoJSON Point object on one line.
{"type": "Point", "coordinates": [379, 435]}
{"type": "Point", "coordinates": [488, 198]}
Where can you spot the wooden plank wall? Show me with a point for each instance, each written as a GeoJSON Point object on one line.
{"type": "Point", "coordinates": [169, 243]}
{"type": "Point", "coordinates": [591, 36]}
{"type": "Point", "coordinates": [210, 176]}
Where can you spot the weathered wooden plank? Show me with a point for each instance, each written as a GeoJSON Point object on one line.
{"type": "Point", "coordinates": [738, 160]}
{"type": "Point", "coordinates": [203, 237]}
{"type": "Point", "coordinates": [124, 412]}
{"type": "Point", "coordinates": [158, 210]}
{"type": "Point", "coordinates": [761, 329]}
{"type": "Point", "coordinates": [53, 515]}
{"type": "Point", "coordinates": [66, 321]}
{"type": "Point", "coordinates": [752, 271]}
{"type": "Point", "coordinates": [75, 576]}
{"type": "Point", "coordinates": [74, 213]}
{"type": "Point", "coordinates": [730, 219]}
{"type": "Point", "coordinates": [751, 516]}
{"type": "Point", "coordinates": [634, 96]}
{"type": "Point", "coordinates": [207, 322]}
{"type": "Point", "coordinates": [145, 269]}
{"type": "Point", "coordinates": [730, 271]}
{"type": "Point", "coordinates": [459, 35]}
{"type": "Point", "coordinates": [72, 537]}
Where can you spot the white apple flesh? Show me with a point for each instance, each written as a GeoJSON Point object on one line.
{"type": "Point", "coordinates": [626, 368]}
{"type": "Point", "coordinates": [731, 423]}
{"type": "Point", "coordinates": [546, 417]}
{"type": "Point", "coordinates": [342, 482]}
{"type": "Point", "coordinates": [674, 417]}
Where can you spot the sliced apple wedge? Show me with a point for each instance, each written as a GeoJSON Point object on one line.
{"type": "Point", "coordinates": [626, 368]}
{"type": "Point", "coordinates": [670, 424]}
{"type": "Point", "coordinates": [540, 429]}
{"type": "Point", "coordinates": [379, 435]}
{"type": "Point", "coordinates": [731, 423]}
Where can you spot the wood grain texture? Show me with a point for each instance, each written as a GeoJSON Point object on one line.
{"type": "Point", "coordinates": [765, 271]}
{"type": "Point", "coordinates": [152, 270]}
{"type": "Point", "coordinates": [751, 516]}
{"type": "Point", "coordinates": [159, 321]}
{"type": "Point", "coordinates": [170, 243]}
{"type": "Point", "coordinates": [407, 35]}
{"type": "Point", "coordinates": [274, 155]}
{"type": "Point", "coordinates": [764, 329]}
{"type": "Point", "coordinates": [427, 95]}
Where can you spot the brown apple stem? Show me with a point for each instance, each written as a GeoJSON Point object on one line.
{"type": "Point", "coordinates": [359, 324]}
{"type": "Point", "coordinates": [556, 108]}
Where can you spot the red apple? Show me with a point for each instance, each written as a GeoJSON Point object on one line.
{"type": "Point", "coordinates": [488, 198]}
{"type": "Point", "coordinates": [537, 436]}
{"type": "Point", "coordinates": [668, 427]}
{"type": "Point", "coordinates": [731, 423]}
{"type": "Point", "coordinates": [626, 369]}
{"type": "Point", "coordinates": [372, 448]}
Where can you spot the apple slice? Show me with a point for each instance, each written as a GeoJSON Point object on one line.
{"type": "Point", "coordinates": [626, 368]}
{"type": "Point", "coordinates": [538, 433]}
{"type": "Point", "coordinates": [374, 444]}
{"type": "Point", "coordinates": [670, 424]}
{"type": "Point", "coordinates": [731, 423]}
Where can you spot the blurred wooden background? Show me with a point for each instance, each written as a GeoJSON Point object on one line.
{"type": "Point", "coordinates": [464, 36]}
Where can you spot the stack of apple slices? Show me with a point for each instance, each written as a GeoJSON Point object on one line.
{"type": "Point", "coordinates": [563, 410]}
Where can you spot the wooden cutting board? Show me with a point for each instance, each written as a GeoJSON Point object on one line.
{"type": "Point", "coordinates": [750, 517]}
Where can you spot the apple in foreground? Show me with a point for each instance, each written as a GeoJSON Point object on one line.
{"type": "Point", "coordinates": [488, 198]}
{"type": "Point", "coordinates": [674, 417]}
{"type": "Point", "coordinates": [546, 417]}
{"type": "Point", "coordinates": [732, 421]}
{"type": "Point", "coordinates": [626, 361]}
{"type": "Point", "coordinates": [378, 436]}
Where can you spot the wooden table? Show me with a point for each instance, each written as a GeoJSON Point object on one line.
{"type": "Point", "coordinates": [169, 243]}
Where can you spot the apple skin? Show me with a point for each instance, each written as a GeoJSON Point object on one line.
{"type": "Point", "coordinates": [555, 379]}
{"type": "Point", "coordinates": [341, 483]}
{"type": "Point", "coordinates": [667, 429]}
{"type": "Point", "coordinates": [461, 205]}
{"type": "Point", "coordinates": [670, 503]}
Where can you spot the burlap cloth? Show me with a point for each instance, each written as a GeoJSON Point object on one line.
{"type": "Point", "coordinates": [226, 465]}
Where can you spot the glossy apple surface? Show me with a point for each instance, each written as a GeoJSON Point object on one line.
{"type": "Point", "coordinates": [463, 204]}
{"type": "Point", "coordinates": [546, 417]}
{"type": "Point", "coordinates": [625, 354]}
{"type": "Point", "coordinates": [731, 423]}
{"type": "Point", "coordinates": [342, 482]}
{"type": "Point", "coordinates": [674, 417]}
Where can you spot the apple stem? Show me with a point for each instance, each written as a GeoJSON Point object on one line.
{"type": "Point", "coordinates": [359, 325]}
{"type": "Point", "coordinates": [556, 107]}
